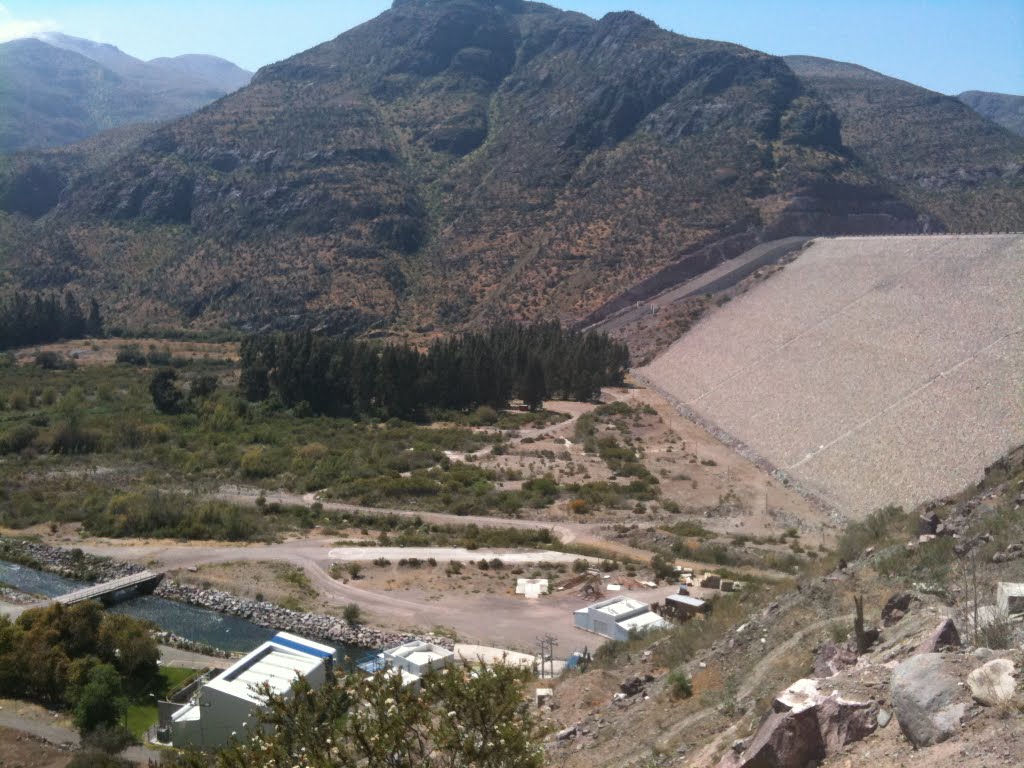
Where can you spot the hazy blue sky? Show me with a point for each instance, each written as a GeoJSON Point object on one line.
{"type": "Point", "coordinates": [946, 45]}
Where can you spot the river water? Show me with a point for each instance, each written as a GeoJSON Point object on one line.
{"type": "Point", "coordinates": [220, 630]}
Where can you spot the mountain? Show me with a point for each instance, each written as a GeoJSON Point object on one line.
{"type": "Point", "coordinates": [935, 151]}
{"type": "Point", "coordinates": [64, 89]}
{"type": "Point", "coordinates": [218, 72]}
{"type": "Point", "coordinates": [448, 163]}
{"type": "Point", "coordinates": [188, 71]}
{"type": "Point", "coordinates": [1000, 108]}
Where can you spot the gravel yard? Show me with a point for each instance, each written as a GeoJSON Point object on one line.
{"type": "Point", "coordinates": [873, 370]}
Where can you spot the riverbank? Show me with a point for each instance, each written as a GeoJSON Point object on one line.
{"type": "Point", "coordinates": [313, 625]}
{"type": "Point", "coordinates": [76, 564]}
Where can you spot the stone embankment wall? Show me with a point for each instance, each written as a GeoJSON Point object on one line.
{"type": "Point", "coordinates": [313, 625]}
{"type": "Point", "coordinates": [75, 564]}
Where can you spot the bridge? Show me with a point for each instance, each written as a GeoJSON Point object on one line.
{"type": "Point", "coordinates": [143, 581]}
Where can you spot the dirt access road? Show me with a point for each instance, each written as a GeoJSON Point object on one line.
{"type": "Point", "coordinates": [490, 619]}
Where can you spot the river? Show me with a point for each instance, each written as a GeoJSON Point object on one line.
{"type": "Point", "coordinates": [228, 633]}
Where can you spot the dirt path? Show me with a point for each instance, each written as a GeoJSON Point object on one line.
{"type": "Point", "coordinates": [64, 737]}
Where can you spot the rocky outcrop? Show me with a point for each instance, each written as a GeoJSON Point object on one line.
{"type": "Point", "coordinates": [945, 635]}
{"type": "Point", "coordinates": [831, 659]}
{"type": "Point", "coordinates": [993, 683]}
{"type": "Point", "coordinates": [926, 697]}
{"type": "Point", "coordinates": [896, 608]}
{"type": "Point", "coordinates": [804, 727]}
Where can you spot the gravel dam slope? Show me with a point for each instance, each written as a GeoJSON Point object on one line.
{"type": "Point", "coordinates": [873, 370]}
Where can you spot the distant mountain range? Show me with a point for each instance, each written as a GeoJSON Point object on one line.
{"type": "Point", "coordinates": [455, 161]}
{"type": "Point", "coordinates": [937, 153]}
{"type": "Point", "coordinates": [1000, 108]}
{"type": "Point", "coordinates": [62, 89]}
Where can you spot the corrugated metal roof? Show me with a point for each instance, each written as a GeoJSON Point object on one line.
{"type": "Point", "coordinates": [273, 664]}
{"type": "Point", "coordinates": [693, 602]}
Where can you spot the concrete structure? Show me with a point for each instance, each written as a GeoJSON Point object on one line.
{"type": "Point", "coordinates": [413, 660]}
{"type": "Point", "coordinates": [485, 654]}
{"type": "Point", "coordinates": [143, 581]}
{"type": "Point", "coordinates": [532, 589]}
{"type": "Point", "coordinates": [616, 617]}
{"type": "Point", "coordinates": [418, 658]}
{"type": "Point", "coordinates": [1010, 598]}
{"type": "Point", "coordinates": [228, 703]}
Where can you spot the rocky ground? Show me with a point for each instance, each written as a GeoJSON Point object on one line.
{"type": "Point", "coordinates": [780, 679]}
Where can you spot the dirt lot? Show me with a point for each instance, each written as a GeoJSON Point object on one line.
{"type": "Point", "coordinates": [20, 750]}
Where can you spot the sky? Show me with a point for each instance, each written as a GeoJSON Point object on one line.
{"type": "Point", "coordinates": [945, 45]}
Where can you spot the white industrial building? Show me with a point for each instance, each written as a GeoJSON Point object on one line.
{"type": "Point", "coordinates": [616, 617]}
{"type": "Point", "coordinates": [413, 659]}
{"type": "Point", "coordinates": [220, 708]}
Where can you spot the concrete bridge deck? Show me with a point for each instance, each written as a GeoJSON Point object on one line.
{"type": "Point", "coordinates": [142, 580]}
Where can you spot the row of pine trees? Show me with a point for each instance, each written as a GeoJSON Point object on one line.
{"type": "Point", "coordinates": [345, 377]}
{"type": "Point", "coordinates": [40, 319]}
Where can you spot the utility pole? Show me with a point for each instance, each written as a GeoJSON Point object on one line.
{"type": "Point", "coordinates": [547, 645]}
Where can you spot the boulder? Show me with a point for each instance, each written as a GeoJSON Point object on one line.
{"type": "Point", "coordinates": [943, 636]}
{"type": "Point", "coordinates": [925, 696]}
{"type": "Point", "coordinates": [927, 524]}
{"type": "Point", "coordinates": [801, 695]}
{"type": "Point", "coordinates": [632, 686]}
{"type": "Point", "coordinates": [832, 659]}
{"type": "Point", "coordinates": [784, 740]}
{"type": "Point", "coordinates": [896, 608]}
{"type": "Point", "coordinates": [803, 728]}
{"type": "Point", "coordinates": [993, 683]}
{"type": "Point", "coordinates": [842, 722]}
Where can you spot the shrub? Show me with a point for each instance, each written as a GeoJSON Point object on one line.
{"type": "Point", "coordinates": [353, 614]}
{"type": "Point", "coordinates": [17, 439]}
{"type": "Point", "coordinates": [354, 569]}
{"type": "Point", "coordinates": [72, 438]}
{"type": "Point", "coordinates": [873, 530]}
{"type": "Point", "coordinates": [130, 354]}
{"type": "Point", "coordinates": [680, 685]}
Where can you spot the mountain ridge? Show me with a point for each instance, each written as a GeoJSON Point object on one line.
{"type": "Point", "coordinates": [450, 163]}
{"type": "Point", "coordinates": [63, 89]}
{"type": "Point", "coordinates": [1003, 108]}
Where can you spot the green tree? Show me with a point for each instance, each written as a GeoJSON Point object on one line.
{"type": "Point", "coordinates": [101, 701]}
{"type": "Point", "coordinates": [166, 396]}
{"type": "Point", "coordinates": [534, 388]}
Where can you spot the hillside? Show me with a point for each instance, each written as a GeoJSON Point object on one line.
{"type": "Point", "coordinates": [449, 162]}
{"type": "Point", "coordinates": [860, 706]}
{"type": "Point", "coordinates": [937, 152]}
{"type": "Point", "coordinates": [854, 373]}
{"type": "Point", "coordinates": [1000, 108]}
{"type": "Point", "coordinates": [65, 89]}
